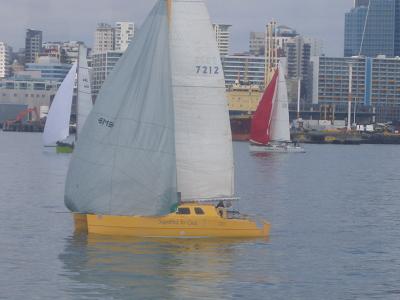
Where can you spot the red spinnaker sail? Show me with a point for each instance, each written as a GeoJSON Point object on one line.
{"type": "Point", "coordinates": [262, 117]}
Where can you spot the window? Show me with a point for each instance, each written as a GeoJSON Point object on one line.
{"type": "Point", "coordinates": [198, 211]}
{"type": "Point", "coordinates": [183, 211]}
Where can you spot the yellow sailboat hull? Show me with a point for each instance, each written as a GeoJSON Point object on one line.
{"type": "Point", "coordinates": [213, 223]}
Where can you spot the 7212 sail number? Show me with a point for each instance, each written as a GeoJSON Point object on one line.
{"type": "Point", "coordinates": [207, 70]}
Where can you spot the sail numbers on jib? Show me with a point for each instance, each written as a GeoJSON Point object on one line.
{"type": "Point", "coordinates": [105, 122]}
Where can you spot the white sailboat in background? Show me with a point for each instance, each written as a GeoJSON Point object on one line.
{"type": "Point", "coordinates": [270, 129]}
{"type": "Point", "coordinates": [160, 129]}
{"type": "Point", "coordinates": [56, 131]}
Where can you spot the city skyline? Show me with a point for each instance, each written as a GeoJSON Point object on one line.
{"type": "Point", "coordinates": [74, 20]}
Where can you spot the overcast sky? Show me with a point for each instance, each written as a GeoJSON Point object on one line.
{"type": "Point", "coordinates": [77, 19]}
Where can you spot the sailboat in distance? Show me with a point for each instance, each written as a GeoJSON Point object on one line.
{"type": "Point", "coordinates": [155, 156]}
{"type": "Point", "coordinates": [270, 131]}
{"type": "Point", "coordinates": [56, 131]}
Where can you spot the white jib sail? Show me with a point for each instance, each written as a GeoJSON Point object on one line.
{"type": "Point", "coordinates": [84, 94]}
{"type": "Point", "coordinates": [280, 127]}
{"type": "Point", "coordinates": [57, 121]}
{"type": "Point", "coordinates": [203, 138]}
{"type": "Point", "coordinates": [124, 161]}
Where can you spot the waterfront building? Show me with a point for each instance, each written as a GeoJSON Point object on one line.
{"type": "Point", "coordinates": [102, 64]}
{"type": "Point", "coordinates": [243, 68]}
{"type": "Point", "coordinates": [33, 45]}
{"type": "Point", "coordinates": [257, 43]}
{"type": "Point", "coordinates": [375, 84]}
{"type": "Point", "coordinates": [370, 28]}
{"type": "Point", "coordinates": [223, 38]}
{"type": "Point", "coordinates": [5, 59]}
{"type": "Point", "coordinates": [50, 68]}
{"type": "Point", "coordinates": [104, 38]}
{"type": "Point", "coordinates": [124, 33]}
{"type": "Point", "coordinates": [25, 90]}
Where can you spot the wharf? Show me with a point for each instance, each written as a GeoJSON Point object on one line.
{"type": "Point", "coordinates": [343, 137]}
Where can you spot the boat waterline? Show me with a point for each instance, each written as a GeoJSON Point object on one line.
{"type": "Point", "coordinates": [272, 148]}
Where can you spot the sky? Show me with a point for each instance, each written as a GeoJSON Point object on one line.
{"type": "Point", "coordinates": [62, 20]}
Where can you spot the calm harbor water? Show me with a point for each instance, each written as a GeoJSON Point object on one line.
{"type": "Point", "coordinates": [335, 214]}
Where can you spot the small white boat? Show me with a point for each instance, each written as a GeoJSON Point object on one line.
{"type": "Point", "coordinates": [56, 130]}
{"type": "Point", "coordinates": [270, 130]}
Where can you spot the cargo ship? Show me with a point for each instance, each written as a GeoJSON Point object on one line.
{"type": "Point", "coordinates": [243, 99]}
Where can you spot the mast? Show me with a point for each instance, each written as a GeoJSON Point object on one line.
{"type": "Point", "coordinates": [298, 97]}
{"type": "Point", "coordinates": [350, 96]}
{"type": "Point", "coordinates": [169, 10]}
{"type": "Point", "coordinates": [77, 93]}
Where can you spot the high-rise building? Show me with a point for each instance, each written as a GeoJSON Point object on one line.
{"type": "Point", "coordinates": [397, 29]}
{"type": "Point", "coordinates": [286, 42]}
{"type": "Point", "coordinates": [370, 29]}
{"type": "Point", "coordinates": [104, 39]}
{"type": "Point", "coordinates": [102, 64]}
{"type": "Point", "coordinates": [257, 43]}
{"type": "Point", "coordinates": [5, 60]}
{"type": "Point", "coordinates": [223, 38]}
{"type": "Point", "coordinates": [33, 45]}
{"type": "Point", "coordinates": [124, 32]}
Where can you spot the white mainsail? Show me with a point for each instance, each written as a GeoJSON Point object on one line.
{"type": "Point", "coordinates": [57, 122]}
{"type": "Point", "coordinates": [84, 94]}
{"type": "Point", "coordinates": [204, 154]}
{"type": "Point", "coordinates": [124, 162]}
{"type": "Point", "coordinates": [280, 131]}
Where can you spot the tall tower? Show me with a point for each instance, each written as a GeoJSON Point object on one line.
{"type": "Point", "coordinates": [124, 33]}
{"type": "Point", "coordinates": [223, 38]}
{"type": "Point", "coordinates": [33, 45]}
{"type": "Point", "coordinates": [5, 60]}
{"type": "Point", "coordinates": [104, 38]}
{"type": "Point", "coordinates": [271, 51]}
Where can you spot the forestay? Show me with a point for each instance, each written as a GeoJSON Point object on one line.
{"type": "Point", "coordinates": [84, 94]}
{"type": "Point", "coordinates": [124, 162]}
{"type": "Point", "coordinates": [203, 136]}
{"type": "Point", "coordinates": [57, 122]}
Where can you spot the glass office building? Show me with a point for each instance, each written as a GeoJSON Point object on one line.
{"type": "Point", "coordinates": [370, 30]}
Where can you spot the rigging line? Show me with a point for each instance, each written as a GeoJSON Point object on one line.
{"type": "Point", "coordinates": [364, 29]}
